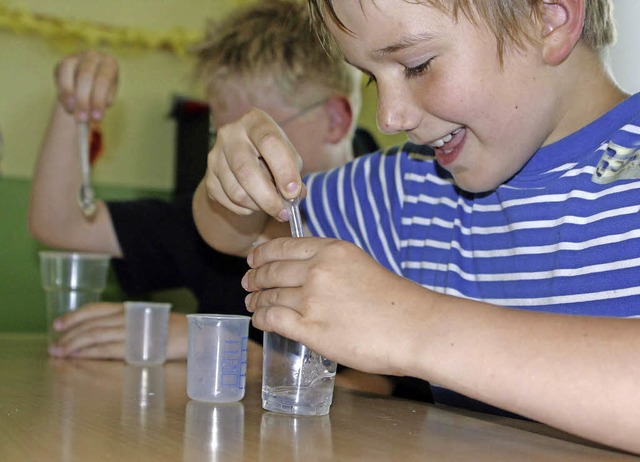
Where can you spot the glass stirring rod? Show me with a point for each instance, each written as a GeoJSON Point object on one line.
{"type": "Point", "coordinates": [312, 361]}
{"type": "Point", "coordinates": [295, 219]}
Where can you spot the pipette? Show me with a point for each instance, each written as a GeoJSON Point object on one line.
{"type": "Point", "coordinates": [295, 219]}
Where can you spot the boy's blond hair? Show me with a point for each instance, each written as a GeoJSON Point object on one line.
{"type": "Point", "coordinates": [509, 20]}
{"type": "Point", "coordinates": [273, 41]}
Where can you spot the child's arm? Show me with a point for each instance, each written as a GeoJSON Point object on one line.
{"type": "Point", "coordinates": [576, 373]}
{"type": "Point", "coordinates": [86, 85]}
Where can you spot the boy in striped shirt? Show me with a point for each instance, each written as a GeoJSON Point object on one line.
{"type": "Point", "coordinates": [497, 253]}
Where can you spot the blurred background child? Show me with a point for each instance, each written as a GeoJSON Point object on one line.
{"type": "Point", "coordinates": [263, 56]}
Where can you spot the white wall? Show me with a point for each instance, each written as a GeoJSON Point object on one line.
{"type": "Point", "coordinates": [624, 56]}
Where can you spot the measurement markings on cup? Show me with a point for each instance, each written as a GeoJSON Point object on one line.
{"type": "Point", "coordinates": [234, 357]}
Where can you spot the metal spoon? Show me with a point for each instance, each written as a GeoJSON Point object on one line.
{"type": "Point", "coordinates": [86, 196]}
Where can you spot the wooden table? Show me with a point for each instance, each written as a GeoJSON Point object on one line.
{"type": "Point", "coordinates": [68, 410]}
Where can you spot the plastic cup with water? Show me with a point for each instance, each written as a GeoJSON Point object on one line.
{"type": "Point", "coordinates": [295, 379]}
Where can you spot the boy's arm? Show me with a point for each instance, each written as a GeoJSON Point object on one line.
{"type": "Point", "coordinates": [228, 232]}
{"type": "Point", "coordinates": [576, 373]}
{"type": "Point", "coordinates": [85, 84]}
{"type": "Point", "coordinates": [224, 230]}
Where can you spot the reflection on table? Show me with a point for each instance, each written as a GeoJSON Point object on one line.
{"type": "Point", "coordinates": [65, 410]}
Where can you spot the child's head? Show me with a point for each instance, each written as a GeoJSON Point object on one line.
{"type": "Point", "coordinates": [509, 20]}
{"type": "Point", "coordinates": [484, 83]}
{"type": "Point", "coordinates": [266, 55]}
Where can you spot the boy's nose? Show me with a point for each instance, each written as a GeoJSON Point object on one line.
{"type": "Point", "coordinates": [395, 111]}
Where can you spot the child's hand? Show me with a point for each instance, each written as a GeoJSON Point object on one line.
{"type": "Point", "coordinates": [98, 331]}
{"type": "Point", "coordinates": [334, 298]}
{"type": "Point", "coordinates": [87, 84]}
{"type": "Point", "coordinates": [251, 165]}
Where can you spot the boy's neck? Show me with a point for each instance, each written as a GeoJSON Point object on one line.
{"type": "Point", "coordinates": [587, 93]}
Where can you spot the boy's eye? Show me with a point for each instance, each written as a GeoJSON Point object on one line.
{"type": "Point", "coordinates": [417, 71]}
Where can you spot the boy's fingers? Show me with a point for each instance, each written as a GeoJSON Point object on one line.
{"type": "Point", "coordinates": [91, 339]}
{"type": "Point", "coordinates": [86, 313]}
{"type": "Point", "coordinates": [104, 351]}
{"type": "Point", "coordinates": [280, 157]}
{"type": "Point", "coordinates": [65, 81]}
{"type": "Point", "coordinates": [105, 85]}
{"type": "Point", "coordinates": [284, 321]}
{"type": "Point", "coordinates": [284, 248]}
{"type": "Point", "coordinates": [84, 85]}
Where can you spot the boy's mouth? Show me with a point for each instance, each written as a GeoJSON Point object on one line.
{"type": "Point", "coordinates": [449, 146]}
{"type": "Point", "coordinates": [441, 142]}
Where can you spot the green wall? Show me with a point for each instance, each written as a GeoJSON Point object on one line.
{"type": "Point", "coordinates": [21, 300]}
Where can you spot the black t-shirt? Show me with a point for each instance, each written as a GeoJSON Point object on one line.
{"type": "Point", "coordinates": [163, 250]}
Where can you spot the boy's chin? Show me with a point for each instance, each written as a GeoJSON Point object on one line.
{"type": "Point", "coordinates": [471, 183]}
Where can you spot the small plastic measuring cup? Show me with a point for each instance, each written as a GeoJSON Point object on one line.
{"type": "Point", "coordinates": [217, 357]}
{"type": "Point", "coordinates": [147, 326]}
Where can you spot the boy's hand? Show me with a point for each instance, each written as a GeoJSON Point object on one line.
{"type": "Point", "coordinates": [334, 298]}
{"type": "Point", "coordinates": [98, 331]}
{"type": "Point", "coordinates": [87, 84]}
{"type": "Point", "coordinates": [251, 164]}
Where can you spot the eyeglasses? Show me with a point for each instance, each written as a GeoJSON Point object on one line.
{"type": "Point", "coordinates": [213, 131]}
{"type": "Point", "coordinates": [302, 112]}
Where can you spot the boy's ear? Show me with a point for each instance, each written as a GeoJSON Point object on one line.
{"type": "Point", "coordinates": [340, 115]}
{"type": "Point", "coordinates": [562, 23]}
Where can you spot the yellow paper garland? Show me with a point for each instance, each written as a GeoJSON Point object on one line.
{"type": "Point", "coordinates": [57, 30]}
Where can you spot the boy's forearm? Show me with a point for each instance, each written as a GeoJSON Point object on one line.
{"type": "Point", "coordinates": [562, 370]}
{"type": "Point", "coordinates": [55, 218]}
{"type": "Point", "coordinates": [56, 178]}
{"type": "Point", "coordinates": [224, 230]}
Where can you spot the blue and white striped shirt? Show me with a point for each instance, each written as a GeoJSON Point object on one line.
{"type": "Point", "coordinates": [563, 235]}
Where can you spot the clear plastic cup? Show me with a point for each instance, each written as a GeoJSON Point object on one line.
{"type": "Point", "coordinates": [295, 379]}
{"type": "Point", "coordinates": [70, 280]}
{"type": "Point", "coordinates": [147, 326]}
{"type": "Point", "coordinates": [217, 357]}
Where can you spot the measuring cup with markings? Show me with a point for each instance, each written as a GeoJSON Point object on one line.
{"type": "Point", "coordinates": [217, 357]}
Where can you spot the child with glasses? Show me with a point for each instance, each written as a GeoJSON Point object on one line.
{"type": "Point", "coordinates": [261, 56]}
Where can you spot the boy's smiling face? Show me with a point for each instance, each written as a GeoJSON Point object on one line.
{"type": "Point", "coordinates": [441, 81]}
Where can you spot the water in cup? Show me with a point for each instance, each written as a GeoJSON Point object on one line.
{"type": "Point", "coordinates": [295, 379]}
